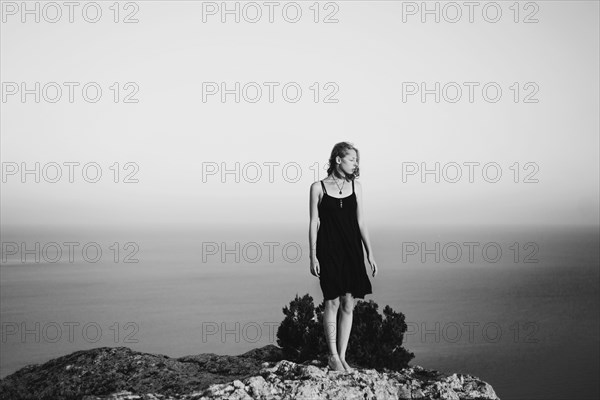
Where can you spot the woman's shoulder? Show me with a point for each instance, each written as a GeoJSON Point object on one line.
{"type": "Point", "coordinates": [315, 186]}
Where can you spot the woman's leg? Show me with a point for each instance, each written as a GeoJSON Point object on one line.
{"type": "Point", "coordinates": [345, 326]}
{"type": "Point", "coordinates": [329, 323]}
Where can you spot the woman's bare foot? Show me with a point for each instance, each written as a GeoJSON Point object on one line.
{"type": "Point", "coordinates": [334, 363]}
{"type": "Point", "coordinates": [347, 367]}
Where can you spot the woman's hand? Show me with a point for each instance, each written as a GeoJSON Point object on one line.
{"type": "Point", "coordinates": [315, 268]}
{"type": "Point", "coordinates": [373, 265]}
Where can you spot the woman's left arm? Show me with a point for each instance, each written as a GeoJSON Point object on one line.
{"type": "Point", "coordinates": [361, 220]}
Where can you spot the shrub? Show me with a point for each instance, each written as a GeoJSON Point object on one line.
{"type": "Point", "coordinates": [375, 340]}
{"type": "Point", "coordinates": [297, 334]}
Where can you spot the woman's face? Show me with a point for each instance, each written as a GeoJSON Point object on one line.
{"type": "Point", "coordinates": [348, 163]}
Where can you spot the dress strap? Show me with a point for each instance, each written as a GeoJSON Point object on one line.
{"type": "Point", "coordinates": [324, 190]}
{"type": "Point", "coordinates": [352, 185]}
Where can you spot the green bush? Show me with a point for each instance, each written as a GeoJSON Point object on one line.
{"type": "Point", "coordinates": [375, 340]}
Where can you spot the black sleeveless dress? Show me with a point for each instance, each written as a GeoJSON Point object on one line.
{"type": "Point", "coordinates": [340, 249]}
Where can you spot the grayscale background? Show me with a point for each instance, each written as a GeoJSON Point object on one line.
{"type": "Point", "coordinates": [172, 137]}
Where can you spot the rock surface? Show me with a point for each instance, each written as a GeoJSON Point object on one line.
{"type": "Point", "coordinates": [120, 373]}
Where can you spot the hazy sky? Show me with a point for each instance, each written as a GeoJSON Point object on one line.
{"type": "Point", "coordinates": [358, 70]}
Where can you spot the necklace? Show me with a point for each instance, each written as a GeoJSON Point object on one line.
{"type": "Point", "coordinates": [343, 183]}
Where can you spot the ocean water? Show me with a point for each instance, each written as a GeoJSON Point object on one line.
{"type": "Point", "coordinates": [525, 319]}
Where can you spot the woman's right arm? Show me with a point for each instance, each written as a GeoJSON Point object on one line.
{"type": "Point", "coordinates": [314, 220]}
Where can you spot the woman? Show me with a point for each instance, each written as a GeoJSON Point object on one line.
{"type": "Point", "coordinates": [336, 214]}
